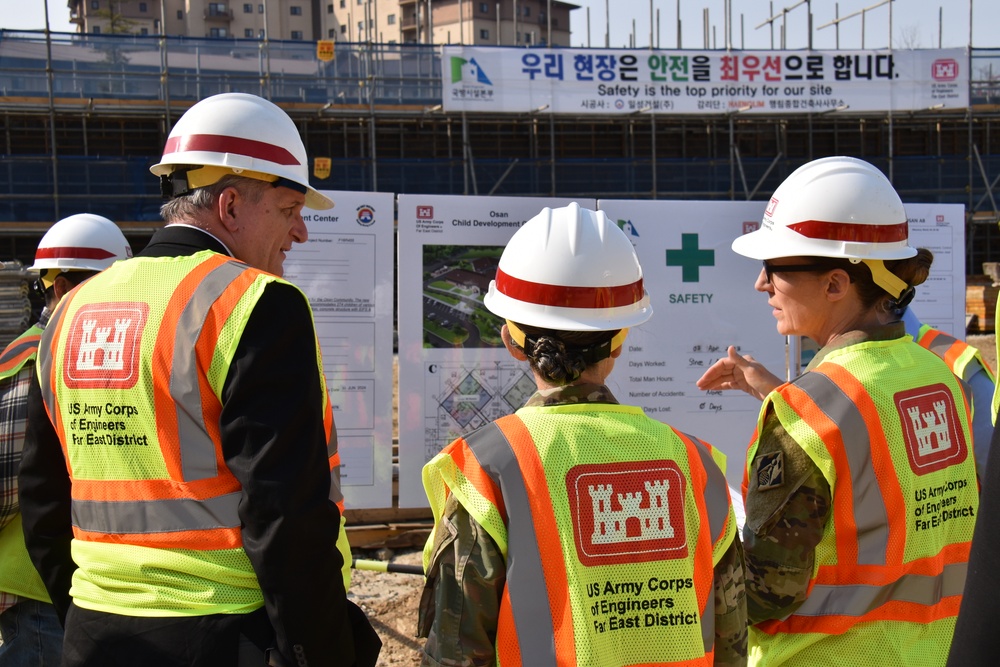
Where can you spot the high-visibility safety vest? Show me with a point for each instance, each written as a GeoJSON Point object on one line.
{"type": "Point", "coordinates": [610, 524]}
{"type": "Point", "coordinates": [996, 390]}
{"type": "Point", "coordinates": [17, 574]}
{"type": "Point", "coordinates": [889, 429]}
{"type": "Point", "coordinates": [963, 359]}
{"type": "Point", "coordinates": [132, 382]}
{"type": "Point", "coordinates": [960, 357]}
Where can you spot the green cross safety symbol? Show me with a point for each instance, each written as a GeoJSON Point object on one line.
{"type": "Point", "coordinates": [690, 257]}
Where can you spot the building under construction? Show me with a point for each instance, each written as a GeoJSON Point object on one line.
{"type": "Point", "coordinates": [85, 115]}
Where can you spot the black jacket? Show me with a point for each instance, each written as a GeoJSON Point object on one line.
{"type": "Point", "coordinates": [274, 443]}
{"type": "Point", "coordinates": [977, 632]}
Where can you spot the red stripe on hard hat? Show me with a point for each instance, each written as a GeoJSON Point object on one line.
{"type": "Point", "coordinates": [218, 143]}
{"type": "Point", "coordinates": [63, 252]}
{"type": "Point", "coordinates": [564, 296]}
{"type": "Point", "coordinates": [849, 231]}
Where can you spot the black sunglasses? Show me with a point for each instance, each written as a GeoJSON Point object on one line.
{"type": "Point", "coordinates": [771, 269]}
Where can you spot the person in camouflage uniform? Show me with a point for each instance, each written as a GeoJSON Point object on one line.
{"type": "Point", "coordinates": [461, 593]}
{"type": "Point", "coordinates": [835, 483]}
{"type": "Point", "coordinates": [466, 567]}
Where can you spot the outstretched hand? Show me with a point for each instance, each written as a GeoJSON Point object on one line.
{"type": "Point", "coordinates": [743, 372]}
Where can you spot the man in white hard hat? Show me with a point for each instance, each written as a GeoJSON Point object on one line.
{"type": "Point", "coordinates": [72, 250]}
{"type": "Point", "coordinates": [186, 389]}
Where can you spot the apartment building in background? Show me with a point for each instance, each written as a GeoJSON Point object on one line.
{"type": "Point", "coordinates": [283, 19]}
{"type": "Point", "coordinates": [474, 22]}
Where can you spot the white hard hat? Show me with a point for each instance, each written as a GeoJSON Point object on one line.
{"type": "Point", "coordinates": [570, 269]}
{"type": "Point", "coordinates": [242, 134]}
{"type": "Point", "coordinates": [832, 207]}
{"type": "Point", "coordinates": [81, 242]}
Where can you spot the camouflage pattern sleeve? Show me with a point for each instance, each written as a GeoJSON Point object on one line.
{"type": "Point", "coordinates": [731, 608]}
{"type": "Point", "coordinates": [787, 506]}
{"type": "Point", "coordinates": [460, 603]}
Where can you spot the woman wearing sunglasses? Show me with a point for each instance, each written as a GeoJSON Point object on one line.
{"type": "Point", "coordinates": [860, 484]}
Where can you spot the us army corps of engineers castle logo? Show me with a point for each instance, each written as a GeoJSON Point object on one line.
{"type": "Point", "coordinates": [103, 346]}
{"type": "Point", "coordinates": [627, 512]}
{"type": "Point", "coordinates": [931, 428]}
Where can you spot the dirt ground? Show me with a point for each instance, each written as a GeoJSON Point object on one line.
{"type": "Point", "coordinates": [391, 599]}
{"type": "Point", "coordinates": [986, 345]}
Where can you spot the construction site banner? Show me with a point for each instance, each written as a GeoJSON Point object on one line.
{"type": "Point", "coordinates": [610, 81]}
{"type": "Point", "coordinates": [454, 374]}
{"type": "Point", "coordinates": [346, 270]}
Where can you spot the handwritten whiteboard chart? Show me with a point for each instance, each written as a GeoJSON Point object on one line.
{"type": "Point", "coordinates": [346, 270]}
{"type": "Point", "coordinates": [703, 301]}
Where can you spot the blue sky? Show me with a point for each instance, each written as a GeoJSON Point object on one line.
{"type": "Point", "coordinates": [915, 23]}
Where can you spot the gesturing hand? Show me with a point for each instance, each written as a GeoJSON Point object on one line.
{"type": "Point", "coordinates": [743, 372]}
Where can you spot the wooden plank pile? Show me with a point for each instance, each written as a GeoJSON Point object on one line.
{"type": "Point", "coordinates": [980, 303]}
{"type": "Point", "coordinates": [15, 306]}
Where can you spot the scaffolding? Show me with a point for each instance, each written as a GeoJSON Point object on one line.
{"type": "Point", "coordinates": [85, 115]}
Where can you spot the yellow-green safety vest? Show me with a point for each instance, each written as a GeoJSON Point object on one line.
{"type": "Point", "coordinates": [888, 426]}
{"type": "Point", "coordinates": [17, 574]}
{"type": "Point", "coordinates": [613, 523]}
{"type": "Point", "coordinates": [138, 418]}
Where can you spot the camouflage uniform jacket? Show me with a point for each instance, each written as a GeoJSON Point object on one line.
{"type": "Point", "coordinates": [786, 519]}
{"type": "Point", "coordinates": [465, 580]}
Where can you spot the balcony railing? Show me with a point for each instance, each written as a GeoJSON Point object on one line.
{"type": "Point", "coordinates": [218, 14]}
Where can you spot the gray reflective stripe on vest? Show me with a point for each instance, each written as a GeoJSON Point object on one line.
{"type": "Point", "coordinates": [870, 515]}
{"type": "Point", "coordinates": [717, 507]}
{"type": "Point", "coordinates": [535, 632]}
{"type": "Point", "coordinates": [44, 361]}
{"type": "Point", "coordinates": [156, 516]}
{"type": "Point", "coordinates": [940, 346]}
{"type": "Point", "coordinates": [331, 446]}
{"type": "Point", "coordinates": [941, 343]}
{"type": "Point", "coordinates": [18, 347]}
{"type": "Point", "coordinates": [196, 449]}
{"type": "Point", "coordinates": [336, 495]}
{"type": "Point", "coordinates": [858, 600]}
{"type": "Point", "coordinates": [716, 489]}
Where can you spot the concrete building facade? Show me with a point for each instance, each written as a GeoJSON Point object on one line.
{"type": "Point", "coordinates": [473, 22]}
{"type": "Point", "coordinates": [248, 19]}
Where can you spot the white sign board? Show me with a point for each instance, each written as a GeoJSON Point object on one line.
{"type": "Point", "coordinates": [454, 372]}
{"type": "Point", "coordinates": [703, 301]}
{"type": "Point", "coordinates": [346, 270]}
{"type": "Point", "coordinates": [940, 300]}
{"type": "Point", "coordinates": [622, 81]}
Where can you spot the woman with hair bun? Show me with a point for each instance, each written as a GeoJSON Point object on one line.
{"type": "Point", "coordinates": [578, 531]}
{"type": "Point", "coordinates": [860, 483]}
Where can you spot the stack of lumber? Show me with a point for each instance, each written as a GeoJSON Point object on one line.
{"type": "Point", "coordinates": [980, 303]}
{"type": "Point", "coordinates": [15, 307]}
